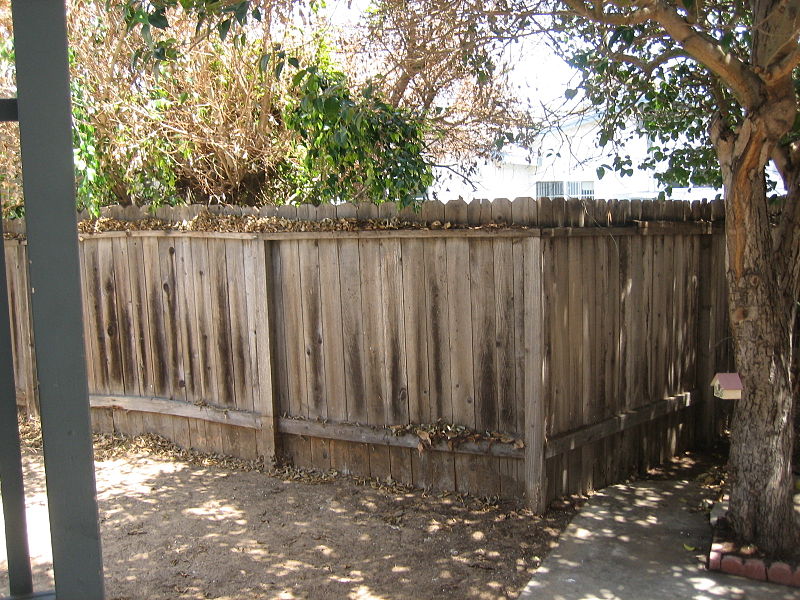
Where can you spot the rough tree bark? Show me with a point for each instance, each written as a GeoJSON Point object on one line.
{"type": "Point", "coordinates": [762, 321]}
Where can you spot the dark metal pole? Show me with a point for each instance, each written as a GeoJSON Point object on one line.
{"type": "Point", "coordinates": [42, 67]}
{"type": "Point", "coordinates": [12, 486]}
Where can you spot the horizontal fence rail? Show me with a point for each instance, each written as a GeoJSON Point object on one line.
{"type": "Point", "coordinates": [573, 340]}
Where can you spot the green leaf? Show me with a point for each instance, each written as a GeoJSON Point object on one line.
{"type": "Point", "coordinates": [158, 19]}
{"type": "Point", "coordinates": [332, 107]}
{"type": "Point", "coordinates": [223, 29]}
{"type": "Point", "coordinates": [292, 60]}
{"type": "Point", "coordinates": [263, 62]}
{"type": "Point", "coordinates": [570, 93]}
{"type": "Point", "coordinates": [600, 172]}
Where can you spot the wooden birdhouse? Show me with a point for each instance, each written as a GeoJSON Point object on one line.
{"type": "Point", "coordinates": [727, 386]}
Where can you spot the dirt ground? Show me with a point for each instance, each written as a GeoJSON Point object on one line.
{"type": "Point", "coordinates": [180, 525]}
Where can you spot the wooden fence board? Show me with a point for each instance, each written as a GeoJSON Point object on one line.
{"type": "Point", "coordinates": [460, 330]}
{"type": "Point", "coordinates": [221, 323]}
{"type": "Point", "coordinates": [506, 390]}
{"type": "Point", "coordinates": [333, 347]}
{"type": "Point", "coordinates": [108, 309]}
{"type": "Point", "coordinates": [297, 383]}
{"type": "Point", "coordinates": [259, 283]}
{"type": "Point", "coordinates": [155, 327]}
{"type": "Point", "coordinates": [438, 340]}
{"type": "Point", "coordinates": [169, 303]}
{"type": "Point", "coordinates": [93, 304]}
{"type": "Point", "coordinates": [415, 308]}
{"type": "Point", "coordinates": [239, 320]}
{"type": "Point", "coordinates": [207, 385]}
{"type": "Point", "coordinates": [374, 341]}
{"type": "Point", "coordinates": [518, 250]}
{"type": "Point", "coordinates": [280, 344]}
{"type": "Point", "coordinates": [396, 398]}
{"type": "Point", "coordinates": [352, 330]}
{"type": "Point", "coordinates": [484, 334]}
{"type": "Point", "coordinates": [312, 330]}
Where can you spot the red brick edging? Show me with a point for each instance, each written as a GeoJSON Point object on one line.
{"type": "Point", "coordinates": [752, 568]}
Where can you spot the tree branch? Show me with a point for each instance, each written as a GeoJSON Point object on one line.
{"type": "Point", "coordinates": [736, 74]}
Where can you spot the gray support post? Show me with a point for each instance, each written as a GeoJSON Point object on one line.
{"type": "Point", "coordinates": [12, 486]}
{"type": "Point", "coordinates": [43, 95]}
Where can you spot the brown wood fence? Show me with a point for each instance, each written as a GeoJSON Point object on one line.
{"type": "Point", "coordinates": [587, 330]}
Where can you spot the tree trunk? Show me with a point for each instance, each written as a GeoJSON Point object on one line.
{"type": "Point", "coordinates": [762, 318]}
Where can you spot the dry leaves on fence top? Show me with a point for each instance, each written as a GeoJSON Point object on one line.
{"type": "Point", "coordinates": [206, 221]}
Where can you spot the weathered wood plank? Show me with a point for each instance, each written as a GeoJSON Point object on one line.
{"type": "Point", "coordinates": [438, 342]}
{"type": "Point", "coordinates": [400, 459]}
{"type": "Point", "coordinates": [311, 307]}
{"type": "Point", "coordinates": [535, 475]}
{"type": "Point", "coordinates": [140, 308]}
{"type": "Point", "coordinates": [646, 414]}
{"type": "Point", "coordinates": [125, 318]}
{"type": "Point", "coordinates": [169, 303]}
{"type": "Point", "coordinates": [259, 281]}
{"type": "Point", "coordinates": [221, 323]}
{"type": "Point", "coordinates": [297, 382]}
{"type": "Point", "coordinates": [159, 359]}
{"type": "Point", "coordinates": [352, 330]}
{"type": "Point", "coordinates": [94, 309]}
{"type": "Point", "coordinates": [415, 309]}
{"type": "Point", "coordinates": [239, 319]}
{"type": "Point", "coordinates": [396, 405]}
{"type": "Point", "coordinates": [460, 332]}
{"type": "Point", "coordinates": [484, 305]}
{"type": "Point", "coordinates": [278, 309]}
{"type": "Point", "coordinates": [333, 348]}
{"type": "Point", "coordinates": [506, 391]}
{"type": "Point", "coordinates": [374, 340]}
{"type": "Point", "coordinates": [381, 436]}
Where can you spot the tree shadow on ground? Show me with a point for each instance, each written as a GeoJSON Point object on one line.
{"type": "Point", "coordinates": [174, 530]}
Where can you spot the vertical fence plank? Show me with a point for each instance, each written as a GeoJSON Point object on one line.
{"type": "Point", "coordinates": [169, 303]}
{"type": "Point", "coordinates": [238, 316]}
{"type": "Point", "coordinates": [484, 342]}
{"type": "Point", "coordinates": [221, 323]}
{"type": "Point", "coordinates": [415, 308]}
{"type": "Point", "coordinates": [94, 310]}
{"type": "Point", "coordinates": [535, 481]}
{"type": "Point", "coordinates": [518, 251]}
{"type": "Point", "coordinates": [194, 345]}
{"type": "Point", "coordinates": [396, 398]}
{"type": "Point", "coordinates": [352, 330]}
{"type": "Point", "coordinates": [333, 348]}
{"type": "Point", "coordinates": [258, 277]}
{"type": "Point", "coordinates": [108, 309]}
{"type": "Point", "coordinates": [238, 441]}
{"type": "Point", "coordinates": [293, 326]}
{"type": "Point", "coordinates": [374, 343]}
{"type": "Point", "coordinates": [153, 293]}
{"type": "Point", "coordinates": [506, 381]}
{"type": "Point", "coordinates": [312, 328]}
{"type": "Point", "coordinates": [153, 423]}
{"type": "Point", "coordinates": [438, 340]}
{"type": "Point", "coordinates": [460, 330]}
{"type": "Point", "coordinates": [280, 344]}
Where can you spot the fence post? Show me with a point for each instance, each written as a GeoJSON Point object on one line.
{"type": "Point", "coordinates": [704, 434]}
{"type": "Point", "coordinates": [535, 475]}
